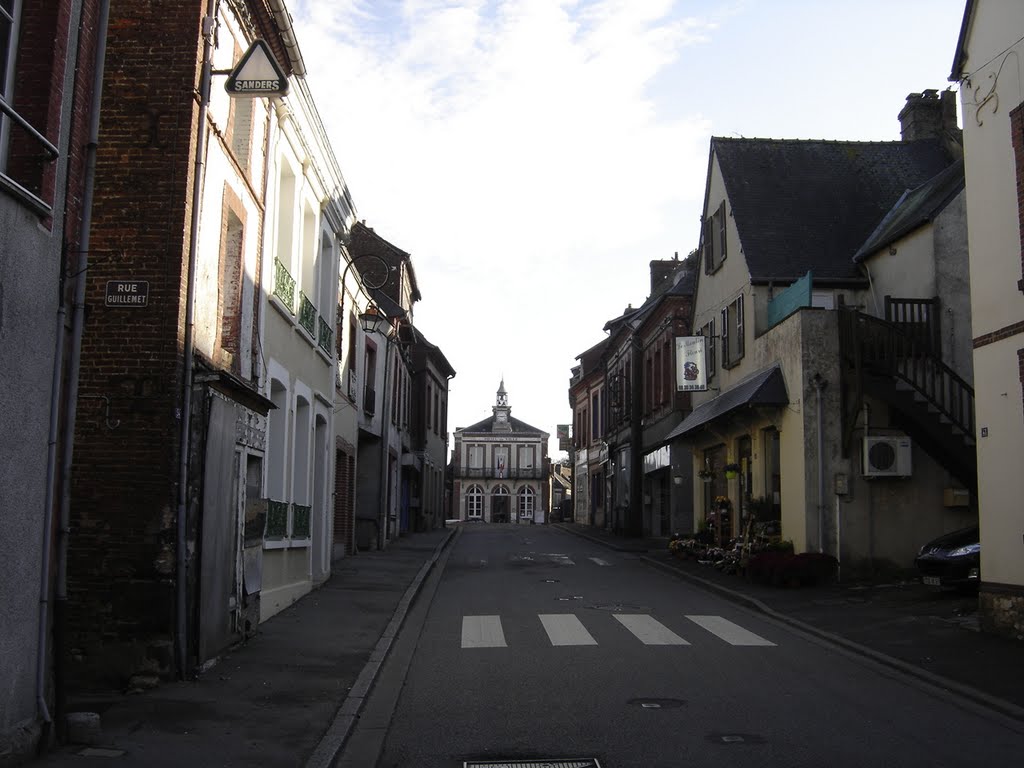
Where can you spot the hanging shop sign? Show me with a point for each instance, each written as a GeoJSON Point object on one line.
{"type": "Point", "coordinates": [691, 364]}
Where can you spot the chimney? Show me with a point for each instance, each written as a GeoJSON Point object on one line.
{"type": "Point", "coordinates": [662, 272]}
{"type": "Point", "coordinates": [929, 115]}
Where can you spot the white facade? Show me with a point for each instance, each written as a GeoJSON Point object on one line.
{"type": "Point", "coordinates": [988, 68]}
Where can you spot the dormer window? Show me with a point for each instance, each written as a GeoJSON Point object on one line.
{"type": "Point", "coordinates": [714, 240]}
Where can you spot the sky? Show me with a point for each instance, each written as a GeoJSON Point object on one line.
{"type": "Point", "coordinates": [533, 156]}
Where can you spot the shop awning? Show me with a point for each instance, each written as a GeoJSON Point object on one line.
{"type": "Point", "coordinates": [764, 388]}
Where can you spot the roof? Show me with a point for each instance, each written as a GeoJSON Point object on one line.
{"type": "Point", "coordinates": [432, 351]}
{"type": "Point", "coordinates": [364, 241]}
{"type": "Point", "coordinates": [914, 208]}
{"type": "Point", "coordinates": [808, 205]}
{"type": "Point", "coordinates": [764, 388]}
{"type": "Point", "coordinates": [960, 57]}
{"type": "Point", "coordinates": [486, 427]}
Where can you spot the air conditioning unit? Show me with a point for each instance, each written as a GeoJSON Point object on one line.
{"type": "Point", "coordinates": [887, 456]}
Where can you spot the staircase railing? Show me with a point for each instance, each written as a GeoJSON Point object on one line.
{"type": "Point", "coordinates": [877, 346]}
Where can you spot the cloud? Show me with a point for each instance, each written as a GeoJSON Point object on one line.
{"type": "Point", "coordinates": [512, 148]}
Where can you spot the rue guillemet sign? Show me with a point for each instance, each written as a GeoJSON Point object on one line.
{"type": "Point", "coordinates": [127, 293]}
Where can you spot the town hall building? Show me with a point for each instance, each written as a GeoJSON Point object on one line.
{"type": "Point", "coordinates": [500, 469]}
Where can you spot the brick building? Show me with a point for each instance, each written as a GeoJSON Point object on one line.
{"type": "Point", "coordinates": [50, 58]}
{"type": "Point", "coordinates": [228, 213]}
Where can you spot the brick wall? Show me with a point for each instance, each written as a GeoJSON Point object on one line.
{"type": "Point", "coordinates": [122, 548]}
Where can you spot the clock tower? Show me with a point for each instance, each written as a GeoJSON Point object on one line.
{"type": "Point", "coordinates": [501, 410]}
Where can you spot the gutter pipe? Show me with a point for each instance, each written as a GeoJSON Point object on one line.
{"type": "Point", "coordinates": [181, 599]}
{"type": "Point", "coordinates": [70, 399]}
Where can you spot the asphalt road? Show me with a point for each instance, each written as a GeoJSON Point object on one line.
{"type": "Point", "coordinates": [531, 644]}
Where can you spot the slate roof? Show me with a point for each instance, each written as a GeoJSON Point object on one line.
{"type": "Point", "coordinates": [518, 427]}
{"type": "Point", "coordinates": [804, 205]}
{"type": "Point", "coordinates": [914, 208]}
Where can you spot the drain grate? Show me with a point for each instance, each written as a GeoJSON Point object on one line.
{"type": "Point", "coordinates": [557, 762]}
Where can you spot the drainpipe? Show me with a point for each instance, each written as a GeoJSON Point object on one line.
{"type": "Point", "coordinates": [819, 385]}
{"type": "Point", "coordinates": [70, 401]}
{"type": "Point", "coordinates": [181, 598]}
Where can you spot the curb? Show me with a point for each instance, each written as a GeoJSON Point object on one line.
{"type": "Point", "coordinates": [973, 694]}
{"type": "Point", "coordinates": [338, 731]}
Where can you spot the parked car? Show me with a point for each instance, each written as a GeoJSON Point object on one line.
{"type": "Point", "coordinates": [952, 560]}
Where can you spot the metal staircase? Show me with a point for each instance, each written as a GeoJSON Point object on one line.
{"type": "Point", "coordinates": [927, 399]}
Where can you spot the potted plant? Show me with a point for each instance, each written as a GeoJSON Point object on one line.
{"type": "Point", "coordinates": [706, 475]}
{"type": "Point", "coordinates": [732, 471]}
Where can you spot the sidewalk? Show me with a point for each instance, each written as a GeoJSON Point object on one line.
{"type": "Point", "coordinates": [930, 634]}
{"type": "Point", "coordinates": [274, 701]}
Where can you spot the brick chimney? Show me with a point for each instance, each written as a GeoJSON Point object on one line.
{"type": "Point", "coordinates": [929, 115]}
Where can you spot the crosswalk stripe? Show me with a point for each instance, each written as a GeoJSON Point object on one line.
{"type": "Point", "coordinates": [599, 561]}
{"type": "Point", "coordinates": [733, 634]}
{"type": "Point", "coordinates": [565, 629]}
{"type": "Point", "coordinates": [648, 630]}
{"type": "Point", "coordinates": [482, 632]}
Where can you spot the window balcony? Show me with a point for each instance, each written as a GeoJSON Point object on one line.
{"type": "Point", "coordinates": [325, 336]}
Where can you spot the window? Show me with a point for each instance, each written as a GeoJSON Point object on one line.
{"type": "Point", "coordinates": [370, 377]}
{"type": "Point", "coordinates": [527, 497]}
{"type": "Point", "coordinates": [732, 333]}
{"type": "Point", "coordinates": [475, 456]}
{"type": "Point", "coordinates": [526, 456]}
{"type": "Point", "coordinates": [714, 240]}
{"type": "Point", "coordinates": [474, 502]}
{"type": "Point", "coordinates": [708, 332]}
{"type": "Point", "coordinates": [595, 415]}
{"type": "Point", "coordinates": [430, 393]}
{"type": "Point", "coordinates": [26, 155]}
{"type": "Point", "coordinates": [229, 286]}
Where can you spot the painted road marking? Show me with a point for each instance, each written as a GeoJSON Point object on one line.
{"type": "Point", "coordinates": [599, 561]}
{"type": "Point", "coordinates": [648, 630]}
{"type": "Point", "coordinates": [565, 629]}
{"type": "Point", "coordinates": [482, 632]}
{"type": "Point", "coordinates": [733, 634]}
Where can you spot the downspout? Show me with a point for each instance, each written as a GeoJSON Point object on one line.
{"type": "Point", "coordinates": [181, 598]}
{"type": "Point", "coordinates": [634, 525]}
{"type": "Point", "coordinates": [819, 385]}
{"type": "Point", "coordinates": [385, 416]}
{"type": "Point", "coordinates": [70, 400]}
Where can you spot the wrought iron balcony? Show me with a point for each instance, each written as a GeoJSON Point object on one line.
{"type": "Point", "coordinates": [307, 314]}
{"type": "Point", "coordinates": [277, 519]}
{"type": "Point", "coordinates": [284, 285]}
{"type": "Point", "coordinates": [325, 337]}
{"type": "Point", "coordinates": [300, 521]}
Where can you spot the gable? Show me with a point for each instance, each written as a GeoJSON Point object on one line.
{"type": "Point", "coordinates": [802, 206]}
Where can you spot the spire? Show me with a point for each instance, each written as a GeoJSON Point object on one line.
{"type": "Point", "coordinates": [502, 398]}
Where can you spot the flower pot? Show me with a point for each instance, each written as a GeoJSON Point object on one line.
{"type": "Point", "coordinates": [730, 475]}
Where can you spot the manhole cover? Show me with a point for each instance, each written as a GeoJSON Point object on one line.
{"type": "Point", "coordinates": [735, 738]}
{"type": "Point", "coordinates": [565, 762]}
{"type": "Point", "coordinates": [657, 703]}
{"type": "Point", "coordinates": [617, 607]}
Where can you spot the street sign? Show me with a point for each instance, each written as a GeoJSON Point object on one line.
{"type": "Point", "coordinates": [127, 293]}
{"type": "Point", "coordinates": [257, 73]}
